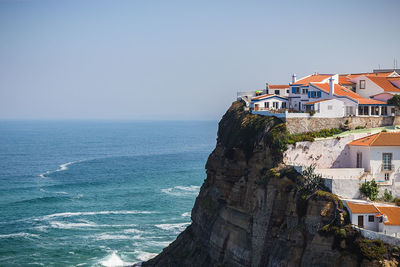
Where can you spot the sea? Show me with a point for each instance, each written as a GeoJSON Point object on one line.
{"type": "Point", "coordinates": [97, 193]}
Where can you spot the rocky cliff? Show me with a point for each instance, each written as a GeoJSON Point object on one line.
{"type": "Point", "coordinates": [249, 211]}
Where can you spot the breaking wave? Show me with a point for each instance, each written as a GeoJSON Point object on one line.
{"type": "Point", "coordinates": [61, 167]}
{"type": "Point", "coordinates": [173, 227]}
{"type": "Point", "coordinates": [182, 190]}
{"type": "Point", "coordinates": [23, 235]}
{"type": "Point", "coordinates": [89, 213]}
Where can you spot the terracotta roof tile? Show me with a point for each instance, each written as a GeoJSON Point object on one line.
{"type": "Point", "coordinates": [384, 83]}
{"type": "Point", "coordinates": [361, 208]}
{"type": "Point", "coordinates": [278, 86]}
{"type": "Point", "coordinates": [266, 96]}
{"type": "Point", "coordinates": [342, 91]}
{"type": "Point", "coordinates": [344, 79]}
{"type": "Point", "coordinates": [379, 139]}
{"type": "Point", "coordinates": [392, 213]}
{"type": "Point", "coordinates": [312, 103]}
{"type": "Point", "coordinates": [313, 78]}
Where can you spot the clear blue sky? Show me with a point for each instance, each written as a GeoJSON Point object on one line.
{"type": "Point", "coordinates": [177, 59]}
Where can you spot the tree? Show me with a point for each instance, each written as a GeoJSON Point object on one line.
{"type": "Point", "coordinates": [395, 101]}
{"type": "Point", "coordinates": [370, 189]}
{"type": "Point", "coordinates": [312, 181]}
{"type": "Point", "coordinates": [387, 196]}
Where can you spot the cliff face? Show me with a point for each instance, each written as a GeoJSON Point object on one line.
{"type": "Point", "coordinates": [244, 218]}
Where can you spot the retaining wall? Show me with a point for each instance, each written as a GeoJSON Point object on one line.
{"type": "Point", "coordinates": [301, 125]}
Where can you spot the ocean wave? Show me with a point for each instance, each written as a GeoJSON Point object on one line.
{"type": "Point", "coordinates": [143, 255]}
{"type": "Point", "coordinates": [173, 227]}
{"type": "Point", "coordinates": [186, 214]}
{"type": "Point", "coordinates": [182, 190]}
{"type": "Point", "coordinates": [51, 199]}
{"type": "Point", "coordinates": [72, 225]}
{"type": "Point", "coordinates": [133, 231]}
{"type": "Point", "coordinates": [23, 235]}
{"type": "Point", "coordinates": [89, 213]}
{"type": "Point", "coordinates": [112, 261]}
{"type": "Point", "coordinates": [106, 236]}
{"type": "Point", "coordinates": [61, 167]}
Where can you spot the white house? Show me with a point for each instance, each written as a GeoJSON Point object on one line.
{"type": "Point", "coordinates": [370, 85]}
{"type": "Point", "coordinates": [327, 108]}
{"type": "Point", "coordinates": [375, 217]}
{"type": "Point", "coordinates": [278, 89]}
{"type": "Point", "coordinates": [378, 154]}
{"type": "Point", "coordinates": [268, 102]}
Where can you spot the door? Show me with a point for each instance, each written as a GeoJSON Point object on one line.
{"type": "Point", "coordinates": [256, 107]}
{"type": "Point", "coordinates": [361, 221]}
{"type": "Point", "coordinates": [359, 160]}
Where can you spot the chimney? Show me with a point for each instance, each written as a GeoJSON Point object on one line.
{"type": "Point", "coordinates": [331, 87]}
{"type": "Point", "coordinates": [294, 79]}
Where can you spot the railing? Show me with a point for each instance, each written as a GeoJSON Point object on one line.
{"type": "Point", "coordinates": [387, 167]}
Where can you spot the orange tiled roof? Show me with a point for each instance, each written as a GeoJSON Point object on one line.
{"type": "Point", "coordinates": [344, 79]}
{"type": "Point", "coordinates": [376, 74]}
{"type": "Point", "coordinates": [342, 91]}
{"type": "Point", "coordinates": [278, 86]}
{"type": "Point", "coordinates": [392, 213]}
{"type": "Point", "coordinates": [384, 83]}
{"type": "Point", "coordinates": [266, 96]}
{"type": "Point", "coordinates": [361, 208]}
{"type": "Point", "coordinates": [312, 103]}
{"type": "Point", "coordinates": [313, 78]}
{"type": "Point", "coordinates": [379, 139]}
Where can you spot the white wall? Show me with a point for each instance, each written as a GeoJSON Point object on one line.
{"type": "Point", "coordinates": [271, 100]}
{"type": "Point", "coordinates": [373, 226]}
{"type": "Point", "coordinates": [392, 230]}
{"type": "Point", "coordinates": [376, 161]}
{"type": "Point", "coordinates": [336, 111]}
{"type": "Point", "coordinates": [282, 92]}
{"type": "Point", "coordinates": [364, 150]}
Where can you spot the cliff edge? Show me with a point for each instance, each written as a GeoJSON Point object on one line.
{"type": "Point", "coordinates": [249, 211]}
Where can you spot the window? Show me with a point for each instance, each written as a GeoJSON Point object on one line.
{"type": "Point", "coordinates": [277, 92]}
{"type": "Point", "coordinates": [295, 90]}
{"type": "Point", "coordinates": [384, 110]}
{"type": "Point", "coordinates": [362, 84]}
{"type": "Point", "coordinates": [363, 110]}
{"type": "Point", "coordinates": [371, 218]}
{"type": "Point", "coordinates": [305, 91]}
{"type": "Point", "coordinates": [387, 176]}
{"type": "Point", "coordinates": [374, 110]}
{"type": "Point", "coordinates": [380, 219]}
{"type": "Point", "coordinates": [283, 104]}
{"type": "Point", "coordinates": [266, 104]}
{"type": "Point", "coordinates": [287, 91]}
{"type": "Point", "coordinates": [330, 107]}
{"type": "Point", "coordinates": [275, 104]}
{"type": "Point", "coordinates": [387, 161]}
{"type": "Point", "coordinates": [359, 160]}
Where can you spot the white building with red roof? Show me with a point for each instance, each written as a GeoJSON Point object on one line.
{"type": "Point", "coordinates": [277, 89]}
{"type": "Point", "coordinates": [375, 217]}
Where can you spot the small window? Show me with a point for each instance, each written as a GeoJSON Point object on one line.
{"type": "Point", "coordinates": [362, 84]}
{"type": "Point", "coordinates": [380, 219]}
{"type": "Point", "coordinates": [277, 92]}
{"type": "Point", "coordinates": [371, 218]}
{"type": "Point", "coordinates": [359, 160]}
{"type": "Point", "coordinates": [330, 107]}
{"type": "Point", "coordinates": [387, 176]}
{"type": "Point", "coordinates": [287, 91]}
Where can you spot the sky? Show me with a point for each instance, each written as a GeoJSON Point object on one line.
{"type": "Point", "coordinates": [177, 60]}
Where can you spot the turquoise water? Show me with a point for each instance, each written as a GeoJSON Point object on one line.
{"type": "Point", "coordinates": [90, 193]}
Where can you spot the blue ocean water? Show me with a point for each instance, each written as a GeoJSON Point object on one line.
{"type": "Point", "coordinates": [97, 193]}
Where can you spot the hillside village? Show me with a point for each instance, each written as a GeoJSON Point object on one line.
{"type": "Point", "coordinates": [361, 155]}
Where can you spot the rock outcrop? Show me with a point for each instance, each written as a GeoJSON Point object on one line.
{"type": "Point", "coordinates": [245, 217]}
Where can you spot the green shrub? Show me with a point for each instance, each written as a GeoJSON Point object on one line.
{"type": "Point", "coordinates": [395, 101]}
{"type": "Point", "coordinates": [372, 249]}
{"type": "Point", "coordinates": [311, 112]}
{"type": "Point", "coordinates": [370, 189]}
{"type": "Point", "coordinates": [310, 136]}
{"type": "Point", "coordinates": [360, 127]}
{"type": "Point", "coordinates": [387, 196]}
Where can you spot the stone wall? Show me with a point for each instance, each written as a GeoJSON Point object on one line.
{"type": "Point", "coordinates": [301, 125]}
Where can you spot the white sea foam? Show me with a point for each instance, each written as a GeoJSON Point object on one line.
{"type": "Point", "coordinates": [24, 235]}
{"type": "Point", "coordinates": [174, 227]}
{"type": "Point", "coordinates": [185, 214]}
{"type": "Point", "coordinates": [64, 225]}
{"type": "Point", "coordinates": [144, 256]}
{"type": "Point", "coordinates": [106, 236]}
{"type": "Point", "coordinates": [61, 167]}
{"type": "Point", "coordinates": [182, 190]}
{"type": "Point", "coordinates": [112, 261]}
{"type": "Point", "coordinates": [89, 213]}
{"type": "Point", "coordinates": [132, 231]}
